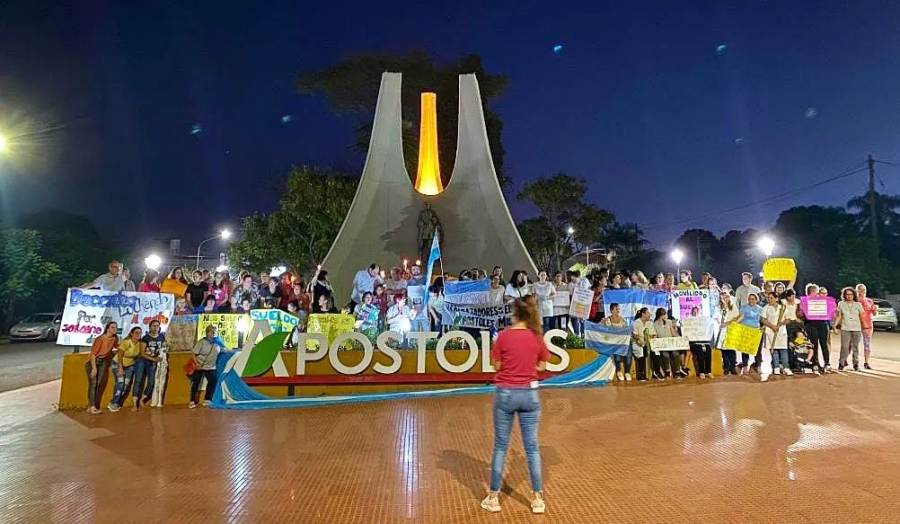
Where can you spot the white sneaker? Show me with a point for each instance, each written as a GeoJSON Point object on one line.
{"type": "Point", "coordinates": [627, 377]}
{"type": "Point", "coordinates": [491, 503]}
{"type": "Point", "coordinates": [776, 371]}
{"type": "Point", "coordinates": [113, 407]}
{"type": "Point", "coordinates": [206, 403]}
{"type": "Point", "coordinates": [537, 505]}
{"type": "Point", "coordinates": [192, 405]}
{"type": "Point", "coordinates": [764, 377]}
{"type": "Point", "coordinates": [620, 376]}
{"type": "Point", "coordinates": [828, 369]}
{"type": "Point", "coordinates": [788, 372]}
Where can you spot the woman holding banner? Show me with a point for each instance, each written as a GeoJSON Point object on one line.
{"type": "Point", "coordinates": [615, 319]}
{"type": "Point", "coordinates": [642, 331]}
{"type": "Point", "coordinates": [730, 314]}
{"type": "Point", "coordinates": [518, 355]}
{"type": "Point", "coordinates": [775, 340]}
{"type": "Point", "coordinates": [750, 317]}
{"type": "Point", "coordinates": [668, 363]}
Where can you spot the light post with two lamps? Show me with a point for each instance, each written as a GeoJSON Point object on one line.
{"type": "Point", "coordinates": [224, 235]}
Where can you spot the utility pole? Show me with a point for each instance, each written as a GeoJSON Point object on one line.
{"type": "Point", "coordinates": [873, 219]}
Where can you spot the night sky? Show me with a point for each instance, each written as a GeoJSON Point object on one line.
{"type": "Point", "coordinates": [642, 100]}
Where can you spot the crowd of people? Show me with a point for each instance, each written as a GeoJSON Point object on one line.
{"type": "Point", "coordinates": [790, 342]}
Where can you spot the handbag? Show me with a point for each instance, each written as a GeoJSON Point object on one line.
{"type": "Point", "coordinates": [190, 367]}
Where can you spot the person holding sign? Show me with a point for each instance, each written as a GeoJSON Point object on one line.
{"type": "Point", "coordinates": [730, 314]}
{"type": "Point", "coordinates": [204, 356]}
{"type": "Point", "coordinates": [776, 338]}
{"type": "Point", "coordinates": [817, 328]}
{"type": "Point", "coordinates": [615, 319]}
{"type": "Point", "coordinates": [642, 331]}
{"type": "Point", "coordinates": [849, 320]}
{"type": "Point", "coordinates": [751, 314]}
{"type": "Point", "coordinates": [545, 292]}
{"type": "Point", "coordinates": [701, 349]}
{"type": "Point", "coordinates": [668, 363]}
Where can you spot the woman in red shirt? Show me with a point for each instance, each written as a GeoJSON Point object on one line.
{"type": "Point", "coordinates": [868, 328]}
{"type": "Point", "coordinates": [518, 354]}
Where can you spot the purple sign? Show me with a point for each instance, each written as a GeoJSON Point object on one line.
{"type": "Point", "coordinates": [818, 308]}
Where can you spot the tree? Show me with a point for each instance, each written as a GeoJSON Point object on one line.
{"type": "Point", "coordinates": [312, 208]}
{"type": "Point", "coordinates": [627, 240]}
{"type": "Point", "coordinates": [351, 87]}
{"type": "Point", "coordinates": [700, 246]}
{"type": "Point", "coordinates": [22, 269]}
{"type": "Point", "coordinates": [535, 232]}
{"type": "Point", "coordinates": [810, 235]}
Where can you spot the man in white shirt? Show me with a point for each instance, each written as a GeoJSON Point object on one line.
{"type": "Point", "coordinates": [364, 282]}
{"type": "Point", "coordinates": [111, 281]}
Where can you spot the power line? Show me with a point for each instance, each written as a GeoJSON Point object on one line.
{"type": "Point", "coordinates": [854, 170]}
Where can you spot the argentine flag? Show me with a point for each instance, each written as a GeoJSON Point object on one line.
{"type": "Point", "coordinates": [433, 256]}
{"type": "Point", "coordinates": [607, 340]}
{"type": "Point", "coordinates": [632, 300]}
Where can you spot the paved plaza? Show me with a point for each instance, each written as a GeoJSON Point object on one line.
{"type": "Point", "coordinates": [801, 449]}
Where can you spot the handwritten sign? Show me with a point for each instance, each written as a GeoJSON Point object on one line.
{"type": "Point", "coordinates": [561, 299]}
{"type": "Point", "coordinates": [331, 324]}
{"type": "Point", "coordinates": [279, 321]}
{"type": "Point", "coordinates": [783, 269]}
{"type": "Point", "coordinates": [670, 344]}
{"type": "Point", "coordinates": [175, 287]}
{"type": "Point", "coordinates": [227, 327]}
{"type": "Point", "coordinates": [87, 311]}
{"type": "Point", "coordinates": [685, 300]}
{"type": "Point", "coordinates": [697, 329]}
{"type": "Point", "coordinates": [581, 303]}
{"type": "Point", "coordinates": [818, 308]}
{"type": "Point", "coordinates": [742, 338]}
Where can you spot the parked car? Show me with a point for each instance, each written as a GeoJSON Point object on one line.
{"type": "Point", "coordinates": [886, 316]}
{"type": "Point", "coordinates": [39, 326]}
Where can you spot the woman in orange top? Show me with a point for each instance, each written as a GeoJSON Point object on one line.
{"type": "Point", "coordinates": [97, 366]}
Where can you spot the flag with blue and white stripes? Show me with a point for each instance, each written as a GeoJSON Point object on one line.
{"type": "Point", "coordinates": [632, 300]}
{"type": "Point", "coordinates": [607, 340]}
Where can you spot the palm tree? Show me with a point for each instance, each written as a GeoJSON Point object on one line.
{"type": "Point", "coordinates": [886, 207]}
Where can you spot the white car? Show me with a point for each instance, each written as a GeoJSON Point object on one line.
{"type": "Point", "coordinates": [885, 317]}
{"type": "Point", "coordinates": [39, 326]}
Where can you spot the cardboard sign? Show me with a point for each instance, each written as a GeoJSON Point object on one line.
{"type": "Point", "coordinates": [279, 321]}
{"type": "Point", "coordinates": [581, 303]}
{"type": "Point", "coordinates": [561, 299]}
{"type": "Point", "coordinates": [818, 308]}
{"type": "Point", "coordinates": [182, 334]}
{"type": "Point", "coordinates": [87, 311]}
{"type": "Point", "coordinates": [170, 285]}
{"type": "Point", "coordinates": [227, 325]}
{"type": "Point", "coordinates": [670, 344]}
{"type": "Point", "coordinates": [783, 269]}
{"type": "Point", "coordinates": [415, 297]}
{"type": "Point", "coordinates": [742, 338]}
{"type": "Point", "coordinates": [697, 329]}
{"type": "Point", "coordinates": [685, 300]}
{"type": "Point", "coordinates": [331, 324]}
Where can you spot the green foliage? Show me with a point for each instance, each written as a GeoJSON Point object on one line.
{"type": "Point", "coordinates": [300, 232]}
{"type": "Point", "coordinates": [351, 87]}
{"type": "Point", "coordinates": [22, 269]}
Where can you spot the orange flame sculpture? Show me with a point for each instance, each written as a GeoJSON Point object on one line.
{"type": "Point", "coordinates": [428, 174]}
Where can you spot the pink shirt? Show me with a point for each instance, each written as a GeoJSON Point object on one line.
{"type": "Point", "coordinates": [518, 351]}
{"type": "Point", "coordinates": [869, 309]}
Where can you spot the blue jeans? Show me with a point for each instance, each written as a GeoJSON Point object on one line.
{"type": "Point", "coordinates": [121, 382]}
{"type": "Point", "coordinates": [507, 403]}
{"type": "Point", "coordinates": [577, 326]}
{"type": "Point", "coordinates": [779, 358]}
{"type": "Point", "coordinates": [624, 361]}
{"type": "Point", "coordinates": [143, 370]}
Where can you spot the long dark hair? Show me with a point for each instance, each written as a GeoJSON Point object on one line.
{"type": "Point", "coordinates": [525, 310]}
{"type": "Point", "coordinates": [640, 312]}
{"type": "Point", "coordinates": [660, 313]}
{"type": "Point", "coordinates": [514, 279]}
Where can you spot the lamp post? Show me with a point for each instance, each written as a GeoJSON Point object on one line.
{"type": "Point", "coordinates": [677, 256]}
{"type": "Point", "coordinates": [4, 144]}
{"type": "Point", "coordinates": [153, 261]}
{"type": "Point", "coordinates": [766, 244]}
{"type": "Point", "coordinates": [224, 235]}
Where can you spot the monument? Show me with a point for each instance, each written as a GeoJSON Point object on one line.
{"type": "Point", "coordinates": [389, 216]}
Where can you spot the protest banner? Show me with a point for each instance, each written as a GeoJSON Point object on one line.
{"type": "Point", "coordinates": [330, 324]}
{"type": "Point", "coordinates": [87, 311]}
{"type": "Point", "coordinates": [632, 300]}
{"type": "Point", "coordinates": [561, 299]}
{"type": "Point", "coordinates": [182, 333]}
{"type": "Point", "coordinates": [685, 300]}
{"type": "Point", "coordinates": [228, 327]}
{"type": "Point", "coordinates": [174, 287]}
{"type": "Point", "coordinates": [742, 338]}
{"type": "Point", "coordinates": [580, 306]}
{"type": "Point", "coordinates": [698, 329]}
{"type": "Point", "coordinates": [279, 321]}
{"type": "Point", "coordinates": [670, 344]}
{"type": "Point", "coordinates": [818, 308]}
{"type": "Point", "coordinates": [486, 317]}
{"type": "Point", "coordinates": [783, 269]}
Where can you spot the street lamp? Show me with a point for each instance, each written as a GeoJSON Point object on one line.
{"type": "Point", "coordinates": [153, 261]}
{"type": "Point", "coordinates": [4, 144]}
{"type": "Point", "coordinates": [224, 235]}
{"type": "Point", "coordinates": [677, 255]}
{"type": "Point", "coordinates": [766, 244]}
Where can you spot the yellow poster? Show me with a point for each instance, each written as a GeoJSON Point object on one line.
{"type": "Point", "coordinates": [227, 324]}
{"type": "Point", "coordinates": [331, 324]}
{"type": "Point", "coordinates": [780, 269]}
{"type": "Point", "coordinates": [742, 338]}
{"type": "Point", "coordinates": [173, 286]}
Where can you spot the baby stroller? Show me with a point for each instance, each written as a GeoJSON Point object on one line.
{"type": "Point", "coordinates": [801, 350]}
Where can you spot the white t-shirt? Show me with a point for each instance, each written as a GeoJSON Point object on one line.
{"type": "Point", "coordinates": [518, 292]}
{"type": "Point", "coordinates": [640, 328]}
{"type": "Point", "coordinates": [544, 290]}
{"type": "Point", "coordinates": [775, 340]}
{"type": "Point", "coordinates": [850, 312]}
